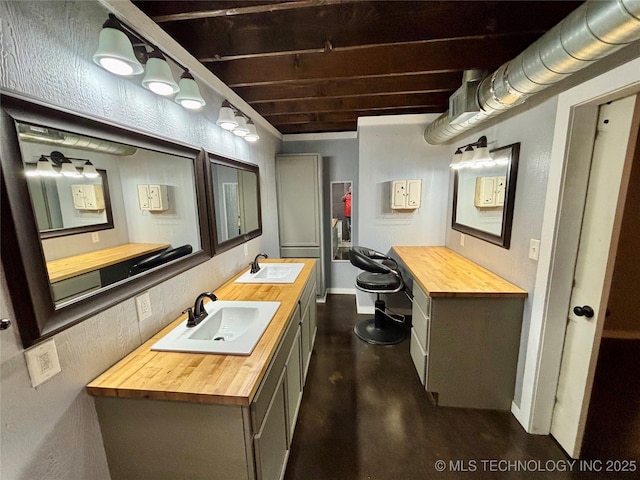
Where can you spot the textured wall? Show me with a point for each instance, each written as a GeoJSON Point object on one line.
{"type": "Point", "coordinates": [534, 130]}
{"type": "Point", "coordinates": [340, 163]}
{"type": "Point", "coordinates": [51, 432]}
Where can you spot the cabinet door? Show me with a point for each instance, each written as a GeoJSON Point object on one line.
{"type": "Point", "coordinates": [306, 340]}
{"type": "Point", "coordinates": [298, 191]}
{"type": "Point", "coordinates": [143, 197]}
{"type": "Point", "coordinates": [79, 197]}
{"type": "Point", "coordinates": [271, 446]}
{"type": "Point", "coordinates": [294, 384]}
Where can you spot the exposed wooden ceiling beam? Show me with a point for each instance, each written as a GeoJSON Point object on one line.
{"type": "Point", "coordinates": [350, 115]}
{"type": "Point", "coordinates": [228, 12]}
{"type": "Point", "coordinates": [416, 57]}
{"type": "Point", "coordinates": [353, 103]}
{"type": "Point", "coordinates": [319, 127]}
{"type": "Point", "coordinates": [356, 23]}
{"type": "Point", "coordinates": [431, 82]}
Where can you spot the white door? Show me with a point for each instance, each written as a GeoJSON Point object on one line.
{"type": "Point", "coordinates": [594, 266]}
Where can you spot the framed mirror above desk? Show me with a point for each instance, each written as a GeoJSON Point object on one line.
{"type": "Point", "coordinates": [484, 196]}
{"type": "Point", "coordinates": [92, 214]}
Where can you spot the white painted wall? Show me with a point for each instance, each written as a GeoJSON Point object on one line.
{"type": "Point", "coordinates": [51, 431]}
{"type": "Point", "coordinates": [393, 148]}
{"type": "Point", "coordinates": [340, 163]}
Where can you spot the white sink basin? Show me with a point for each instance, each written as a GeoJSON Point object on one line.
{"type": "Point", "coordinates": [273, 273]}
{"type": "Point", "coordinates": [231, 328]}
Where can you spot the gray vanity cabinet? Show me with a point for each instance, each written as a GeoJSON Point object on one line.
{"type": "Point", "coordinates": [465, 348]}
{"type": "Point", "coordinates": [182, 440]}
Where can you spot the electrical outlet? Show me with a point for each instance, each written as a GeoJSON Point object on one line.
{"type": "Point", "coordinates": [42, 362]}
{"type": "Point", "coordinates": [246, 250]}
{"type": "Point", "coordinates": [95, 238]}
{"type": "Point", "coordinates": [143, 306]}
{"type": "Point", "coordinates": [462, 239]}
{"type": "Point", "coordinates": [534, 249]}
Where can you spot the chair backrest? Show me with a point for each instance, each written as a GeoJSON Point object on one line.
{"type": "Point", "coordinates": [365, 259]}
{"type": "Point", "coordinates": [161, 258]}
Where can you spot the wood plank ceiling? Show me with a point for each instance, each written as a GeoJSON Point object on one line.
{"type": "Point", "coordinates": [318, 65]}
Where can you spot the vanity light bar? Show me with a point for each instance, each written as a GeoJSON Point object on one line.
{"type": "Point", "coordinates": [123, 51]}
{"type": "Point", "coordinates": [475, 155]}
{"type": "Point", "coordinates": [232, 119]}
{"type": "Point", "coordinates": [58, 165]}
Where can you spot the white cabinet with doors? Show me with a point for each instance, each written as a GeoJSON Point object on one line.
{"type": "Point", "coordinates": [88, 197]}
{"type": "Point", "coordinates": [153, 198]}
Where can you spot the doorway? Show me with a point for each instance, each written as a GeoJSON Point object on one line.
{"type": "Point", "coordinates": [607, 177]}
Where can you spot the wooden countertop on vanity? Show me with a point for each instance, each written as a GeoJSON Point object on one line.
{"type": "Point", "coordinates": [68, 267]}
{"type": "Point", "coordinates": [441, 272]}
{"type": "Point", "coordinates": [206, 378]}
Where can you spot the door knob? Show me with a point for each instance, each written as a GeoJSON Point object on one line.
{"type": "Point", "coordinates": [585, 311]}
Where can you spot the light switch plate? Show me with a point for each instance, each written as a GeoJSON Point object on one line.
{"type": "Point", "coordinates": [42, 362]}
{"type": "Point", "coordinates": [246, 250]}
{"type": "Point", "coordinates": [95, 238]}
{"type": "Point", "coordinates": [462, 239]}
{"type": "Point", "coordinates": [534, 249]}
{"type": "Point", "coordinates": [143, 306]}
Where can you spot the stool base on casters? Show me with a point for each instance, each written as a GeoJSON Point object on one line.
{"type": "Point", "coordinates": [379, 330]}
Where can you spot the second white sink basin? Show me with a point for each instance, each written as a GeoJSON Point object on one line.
{"type": "Point", "coordinates": [231, 328]}
{"type": "Point", "coordinates": [273, 273]}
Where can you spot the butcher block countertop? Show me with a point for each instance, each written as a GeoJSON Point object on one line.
{"type": "Point", "coordinates": [206, 378]}
{"type": "Point", "coordinates": [441, 272]}
{"type": "Point", "coordinates": [68, 267]}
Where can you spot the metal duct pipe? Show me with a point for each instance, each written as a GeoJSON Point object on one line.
{"type": "Point", "coordinates": [592, 31]}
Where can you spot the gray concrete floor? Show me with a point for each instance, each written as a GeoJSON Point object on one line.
{"type": "Point", "coordinates": [365, 415]}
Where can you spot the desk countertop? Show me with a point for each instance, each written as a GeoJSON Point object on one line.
{"type": "Point", "coordinates": [200, 377]}
{"type": "Point", "coordinates": [441, 272]}
{"type": "Point", "coordinates": [68, 267]}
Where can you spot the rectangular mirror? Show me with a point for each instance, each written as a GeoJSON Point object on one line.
{"type": "Point", "coordinates": [65, 200]}
{"type": "Point", "coordinates": [483, 197]}
{"type": "Point", "coordinates": [234, 196]}
{"type": "Point", "coordinates": [99, 213]}
{"type": "Point", "coordinates": [340, 220]}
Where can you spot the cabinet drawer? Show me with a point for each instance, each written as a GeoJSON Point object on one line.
{"type": "Point", "coordinates": [267, 387]}
{"type": "Point", "coordinates": [419, 357]}
{"type": "Point", "coordinates": [422, 300]}
{"type": "Point", "coordinates": [420, 326]}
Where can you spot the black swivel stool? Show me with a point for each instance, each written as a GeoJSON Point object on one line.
{"type": "Point", "coordinates": [378, 277]}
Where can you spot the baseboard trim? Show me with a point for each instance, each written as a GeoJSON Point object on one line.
{"type": "Point", "coordinates": [341, 291]}
{"type": "Point", "coordinates": [622, 334]}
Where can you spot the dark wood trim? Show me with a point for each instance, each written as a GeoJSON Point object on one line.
{"type": "Point", "coordinates": [503, 240]}
{"type": "Point", "coordinates": [320, 127]}
{"type": "Point", "coordinates": [37, 316]}
{"type": "Point", "coordinates": [343, 115]}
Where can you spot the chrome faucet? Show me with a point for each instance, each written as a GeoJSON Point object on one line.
{"type": "Point", "coordinates": [198, 312]}
{"type": "Point", "coordinates": [255, 268]}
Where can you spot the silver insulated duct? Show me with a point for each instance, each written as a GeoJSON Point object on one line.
{"type": "Point", "coordinates": [594, 30]}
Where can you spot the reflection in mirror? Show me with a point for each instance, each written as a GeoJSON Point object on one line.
{"type": "Point", "coordinates": [483, 197]}
{"type": "Point", "coordinates": [235, 194]}
{"type": "Point", "coordinates": [340, 220]}
{"type": "Point", "coordinates": [74, 244]}
{"type": "Point", "coordinates": [153, 198]}
{"type": "Point", "coordinates": [66, 202]}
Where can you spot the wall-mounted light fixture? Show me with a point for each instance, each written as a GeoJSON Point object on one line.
{"type": "Point", "coordinates": [232, 119]}
{"type": "Point", "coordinates": [57, 164]}
{"type": "Point", "coordinates": [123, 51]}
{"type": "Point", "coordinates": [473, 155]}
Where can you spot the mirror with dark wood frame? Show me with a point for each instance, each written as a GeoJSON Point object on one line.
{"type": "Point", "coordinates": [66, 255]}
{"type": "Point", "coordinates": [484, 195]}
{"type": "Point", "coordinates": [234, 197]}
